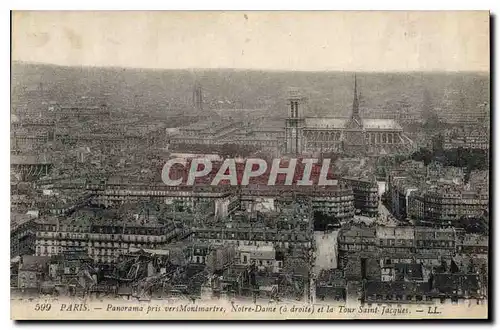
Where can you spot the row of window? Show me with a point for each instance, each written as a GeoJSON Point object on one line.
{"type": "Point", "coordinates": [335, 199]}
{"type": "Point", "coordinates": [458, 201]}
{"type": "Point", "coordinates": [391, 242]}
{"type": "Point", "coordinates": [104, 237]}
{"type": "Point", "coordinates": [246, 236]}
{"type": "Point", "coordinates": [257, 243]}
{"type": "Point", "coordinates": [58, 249]}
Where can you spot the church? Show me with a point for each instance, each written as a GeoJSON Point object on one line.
{"type": "Point", "coordinates": [354, 136]}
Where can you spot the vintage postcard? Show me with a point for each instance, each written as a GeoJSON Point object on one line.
{"type": "Point", "coordinates": [250, 165]}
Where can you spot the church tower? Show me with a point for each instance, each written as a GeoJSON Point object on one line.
{"type": "Point", "coordinates": [355, 121]}
{"type": "Point", "coordinates": [295, 122]}
{"type": "Point", "coordinates": [354, 133]}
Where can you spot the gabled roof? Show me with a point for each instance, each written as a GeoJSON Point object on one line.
{"type": "Point", "coordinates": [338, 123]}
{"type": "Point", "coordinates": [325, 122]}
{"type": "Point", "coordinates": [380, 123]}
{"type": "Point", "coordinates": [450, 283]}
{"type": "Point", "coordinates": [382, 288]}
{"type": "Point", "coordinates": [34, 263]}
{"type": "Point", "coordinates": [412, 271]}
{"type": "Point", "coordinates": [259, 252]}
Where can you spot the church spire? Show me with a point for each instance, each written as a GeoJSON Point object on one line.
{"type": "Point", "coordinates": [355, 103]}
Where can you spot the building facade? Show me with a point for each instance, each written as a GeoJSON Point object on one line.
{"type": "Point", "coordinates": [104, 241]}
{"type": "Point", "coordinates": [366, 197]}
{"type": "Point", "coordinates": [350, 135]}
{"type": "Point", "coordinates": [359, 247]}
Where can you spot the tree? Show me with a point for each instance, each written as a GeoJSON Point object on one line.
{"type": "Point", "coordinates": [472, 268]}
{"type": "Point", "coordinates": [475, 225]}
{"type": "Point", "coordinates": [423, 154]}
{"type": "Point", "coordinates": [471, 159]}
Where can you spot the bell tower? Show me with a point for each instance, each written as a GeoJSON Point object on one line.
{"type": "Point", "coordinates": [295, 122]}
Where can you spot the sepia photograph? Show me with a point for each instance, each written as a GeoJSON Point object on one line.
{"type": "Point", "coordinates": [250, 165]}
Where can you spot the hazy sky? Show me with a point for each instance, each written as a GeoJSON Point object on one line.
{"type": "Point", "coordinates": [349, 41]}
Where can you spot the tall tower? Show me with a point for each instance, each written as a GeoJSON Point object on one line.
{"type": "Point", "coordinates": [197, 97]}
{"type": "Point", "coordinates": [355, 102]}
{"type": "Point", "coordinates": [354, 133]}
{"type": "Point", "coordinates": [355, 121]}
{"type": "Point", "coordinates": [295, 122]}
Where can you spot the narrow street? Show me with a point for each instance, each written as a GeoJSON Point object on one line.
{"type": "Point", "coordinates": [326, 250]}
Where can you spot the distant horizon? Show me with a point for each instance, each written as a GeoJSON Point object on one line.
{"type": "Point", "coordinates": [310, 41]}
{"type": "Point", "coordinates": [244, 69]}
